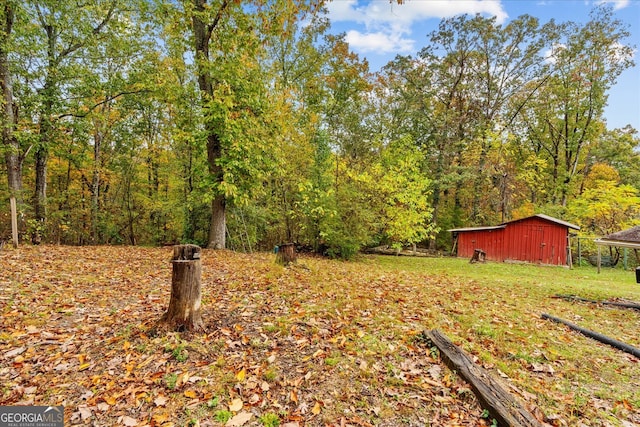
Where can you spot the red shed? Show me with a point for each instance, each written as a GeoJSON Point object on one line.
{"type": "Point", "coordinates": [538, 239]}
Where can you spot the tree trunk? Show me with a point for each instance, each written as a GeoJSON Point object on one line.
{"type": "Point", "coordinates": [184, 306]}
{"type": "Point", "coordinates": [202, 35]}
{"type": "Point", "coordinates": [95, 181]}
{"type": "Point", "coordinates": [286, 254]}
{"type": "Point", "coordinates": [217, 236]}
{"type": "Point", "coordinates": [8, 118]}
{"type": "Point", "coordinates": [46, 134]}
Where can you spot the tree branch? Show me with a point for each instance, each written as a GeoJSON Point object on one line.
{"type": "Point", "coordinates": [104, 101]}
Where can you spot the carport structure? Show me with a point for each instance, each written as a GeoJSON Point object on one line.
{"type": "Point", "coordinates": [629, 238]}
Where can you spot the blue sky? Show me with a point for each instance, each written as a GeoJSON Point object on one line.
{"type": "Point", "coordinates": [379, 30]}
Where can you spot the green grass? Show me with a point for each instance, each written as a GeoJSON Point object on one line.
{"type": "Point", "coordinates": [609, 283]}
{"type": "Point", "coordinates": [493, 311]}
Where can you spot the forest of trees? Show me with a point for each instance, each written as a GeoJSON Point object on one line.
{"type": "Point", "coordinates": [247, 124]}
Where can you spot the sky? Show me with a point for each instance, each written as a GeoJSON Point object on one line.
{"type": "Point", "coordinates": [378, 30]}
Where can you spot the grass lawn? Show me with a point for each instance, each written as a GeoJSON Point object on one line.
{"type": "Point", "coordinates": [318, 343]}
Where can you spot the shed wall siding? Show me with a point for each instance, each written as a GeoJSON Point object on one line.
{"type": "Point", "coordinates": [530, 240]}
{"type": "Point", "coordinates": [490, 241]}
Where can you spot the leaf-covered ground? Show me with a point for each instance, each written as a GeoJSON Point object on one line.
{"type": "Point", "coordinates": [317, 343]}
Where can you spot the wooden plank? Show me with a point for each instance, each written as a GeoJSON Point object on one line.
{"type": "Point", "coordinates": [492, 396]}
{"type": "Point", "coordinates": [632, 305]}
{"type": "Point", "coordinates": [596, 336]}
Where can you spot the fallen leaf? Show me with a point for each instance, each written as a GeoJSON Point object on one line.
{"type": "Point", "coordinates": [190, 394]}
{"type": "Point", "coordinates": [161, 400]}
{"type": "Point", "coordinates": [435, 371]}
{"type": "Point", "coordinates": [239, 420]}
{"type": "Point", "coordinates": [160, 417]}
{"type": "Point", "coordinates": [316, 409]}
{"type": "Point", "coordinates": [14, 352]}
{"type": "Point", "coordinates": [84, 412]}
{"type": "Point", "coordinates": [240, 376]}
{"type": "Point", "coordinates": [547, 369]}
{"type": "Point", "coordinates": [236, 405]}
{"type": "Point", "coordinates": [129, 422]}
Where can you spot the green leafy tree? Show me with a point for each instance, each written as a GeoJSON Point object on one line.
{"type": "Point", "coordinates": [228, 39]}
{"type": "Point", "coordinates": [402, 191]}
{"type": "Point", "coordinates": [620, 149]}
{"type": "Point", "coordinates": [605, 206]}
{"type": "Point", "coordinates": [566, 117]}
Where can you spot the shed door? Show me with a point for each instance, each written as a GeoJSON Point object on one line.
{"type": "Point", "coordinates": [536, 250]}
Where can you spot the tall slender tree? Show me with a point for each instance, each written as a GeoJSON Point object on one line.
{"type": "Point", "coordinates": [10, 144]}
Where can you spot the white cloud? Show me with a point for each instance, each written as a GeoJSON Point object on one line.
{"type": "Point", "coordinates": [379, 42]}
{"type": "Point", "coordinates": [617, 4]}
{"type": "Point", "coordinates": [383, 12]}
{"type": "Point", "coordinates": [383, 27]}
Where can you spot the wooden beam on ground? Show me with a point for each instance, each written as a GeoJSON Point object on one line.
{"type": "Point", "coordinates": [596, 336]}
{"type": "Point", "coordinates": [500, 403]}
{"type": "Point", "coordinates": [622, 304]}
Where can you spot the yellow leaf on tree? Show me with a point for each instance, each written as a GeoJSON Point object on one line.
{"type": "Point", "coordinates": [236, 405]}
{"type": "Point", "coordinates": [316, 409]}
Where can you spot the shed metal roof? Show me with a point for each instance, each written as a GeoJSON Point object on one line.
{"type": "Point", "coordinates": [541, 216]}
{"type": "Point", "coordinates": [629, 238]}
{"type": "Point", "coordinates": [495, 227]}
{"type": "Point", "coordinates": [550, 219]}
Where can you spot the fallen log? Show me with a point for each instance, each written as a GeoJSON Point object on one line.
{"type": "Point", "coordinates": [597, 336]}
{"type": "Point", "coordinates": [631, 305]}
{"type": "Point", "coordinates": [501, 405]}
{"type": "Point", "coordinates": [385, 250]}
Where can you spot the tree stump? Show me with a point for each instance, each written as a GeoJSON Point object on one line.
{"type": "Point", "coordinates": [185, 303]}
{"type": "Point", "coordinates": [286, 254]}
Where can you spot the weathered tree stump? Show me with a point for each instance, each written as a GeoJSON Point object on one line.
{"type": "Point", "coordinates": [185, 303]}
{"type": "Point", "coordinates": [286, 254]}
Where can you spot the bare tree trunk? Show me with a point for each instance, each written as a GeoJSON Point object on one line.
{"type": "Point", "coordinates": [217, 237]}
{"type": "Point", "coordinates": [8, 118]}
{"type": "Point", "coordinates": [95, 181]}
{"type": "Point", "coordinates": [40, 195]}
{"type": "Point", "coordinates": [184, 312]}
